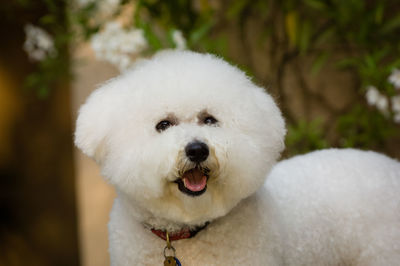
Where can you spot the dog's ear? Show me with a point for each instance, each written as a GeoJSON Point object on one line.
{"type": "Point", "coordinates": [94, 122]}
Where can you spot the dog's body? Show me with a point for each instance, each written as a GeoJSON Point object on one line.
{"type": "Point", "coordinates": [303, 215]}
{"type": "Point", "coordinates": [187, 139]}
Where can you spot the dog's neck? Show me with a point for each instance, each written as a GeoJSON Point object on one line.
{"type": "Point", "coordinates": [166, 225]}
{"type": "Point", "coordinates": [182, 234]}
{"type": "Point", "coordinates": [151, 222]}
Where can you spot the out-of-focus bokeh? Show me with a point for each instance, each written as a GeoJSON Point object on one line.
{"type": "Point", "coordinates": [333, 66]}
{"type": "Point", "coordinates": [37, 188]}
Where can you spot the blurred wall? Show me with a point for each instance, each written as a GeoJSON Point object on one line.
{"type": "Point", "coordinates": [37, 186]}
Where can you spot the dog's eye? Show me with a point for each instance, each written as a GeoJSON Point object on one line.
{"type": "Point", "coordinates": [163, 125]}
{"type": "Point", "coordinates": [209, 120]}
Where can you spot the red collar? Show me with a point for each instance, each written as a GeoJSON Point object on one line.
{"type": "Point", "coordinates": [182, 234]}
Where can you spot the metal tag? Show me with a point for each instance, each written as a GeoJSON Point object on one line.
{"type": "Point", "coordinates": [169, 261]}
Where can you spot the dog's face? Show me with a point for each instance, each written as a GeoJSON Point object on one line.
{"type": "Point", "coordinates": [184, 135]}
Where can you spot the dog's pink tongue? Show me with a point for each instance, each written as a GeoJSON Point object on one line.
{"type": "Point", "coordinates": [194, 180]}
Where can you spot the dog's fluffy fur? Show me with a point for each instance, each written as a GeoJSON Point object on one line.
{"type": "Point", "coordinates": [332, 207]}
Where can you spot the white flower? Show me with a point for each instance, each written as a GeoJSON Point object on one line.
{"type": "Point", "coordinates": [382, 104]}
{"type": "Point", "coordinates": [38, 43]}
{"type": "Point", "coordinates": [375, 98]}
{"type": "Point", "coordinates": [396, 108]}
{"type": "Point", "coordinates": [397, 118]}
{"type": "Point", "coordinates": [394, 78]}
{"type": "Point", "coordinates": [396, 104]}
{"type": "Point", "coordinates": [179, 40]}
{"type": "Point", "coordinates": [118, 46]}
{"type": "Point", "coordinates": [372, 95]}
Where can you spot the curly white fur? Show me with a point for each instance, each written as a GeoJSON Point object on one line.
{"type": "Point", "coordinates": [334, 207]}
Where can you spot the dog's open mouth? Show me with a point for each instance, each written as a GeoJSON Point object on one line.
{"type": "Point", "coordinates": [193, 182]}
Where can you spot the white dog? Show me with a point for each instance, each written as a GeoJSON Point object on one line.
{"type": "Point", "coordinates": [188, 141]}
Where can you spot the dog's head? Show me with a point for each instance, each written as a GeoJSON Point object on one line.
{"type": "Point", "coordinates": [184, 135]}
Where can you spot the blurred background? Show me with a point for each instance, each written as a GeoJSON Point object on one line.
{"type": "Point", "coordinates": [333, 66]}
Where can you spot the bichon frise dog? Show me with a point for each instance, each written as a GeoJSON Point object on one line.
{"type": "Point", "coordinates": [188, 141]}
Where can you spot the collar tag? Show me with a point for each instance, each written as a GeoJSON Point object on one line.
{"type": "Point", "coordinates": [170, 260]}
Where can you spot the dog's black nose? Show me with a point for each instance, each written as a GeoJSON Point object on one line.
{"type": "Point", "coordinates": [197, 151]}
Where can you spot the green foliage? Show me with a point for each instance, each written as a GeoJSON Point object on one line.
{"type": "Point", "coordinates": [159, 18]}
{"type": "Point", "coordinates": [358, 36]}
{"type": "Point", "coordinates": [236, 8]}
{"type": "Point", "coordinates": [363, 128]}
{"type": "Point", "coordinates": [54, 69]}
{"type": "Point", "coordinates": [305, 136]}
{"type": "Point", "coordinates": [319, 62]}
{"type": "Point", "coordinates": [49, 72]}
{"type": "Point", "coordinates": [81, 17]}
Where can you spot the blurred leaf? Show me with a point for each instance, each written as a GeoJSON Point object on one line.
{"type": "Point", "coordinates": [48, 19]}
{"type": "Point", "coordinates": [391, 25]}
{"type": "Point", "coordinates": [236, 8]}
{"type": "Point", "coordinates": [346, 62]}
{"type": "Point", "coordinates": [24, 3]}
{"type": "Point", "coordinates": [262, 8]}
{"type": "Point", "coordinates": [197, 34]}
{"type": "Point", "coordinates": [305, 136]}
{"type": "Point", "coordinates": [379, 13]}
{"type": "Point", "coordinates": [318, 63]}
{"type": "Point", "coordinates": [369, 61]}
{"type": "Point", "coordinates": [363, 128]}
{"type": "Point", "coordinates": [305, 36]}
{"type": "Point", "coordinates": [43, 92]}
{"type": "Point", "coordinates": [291, 27]}
{"type": "Point", "coordinates": [325, 36]}
{"type": "Point", "coordinates": [316, 4]}
{"type": "Point", "coordinates": [151, 37]}
{"type": "Point", "coordinates": [32, 80]}
{"type": "Point", "coordinates": [170, 38]}
{"type": "Point", "coordinates": [217, 45]}
{"type": "Point", "coordinates": [204, 5]}
{"type": "Point", "coordinates": [52, 6]}
{"type": "Point", "coordinates": [394, 64]}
